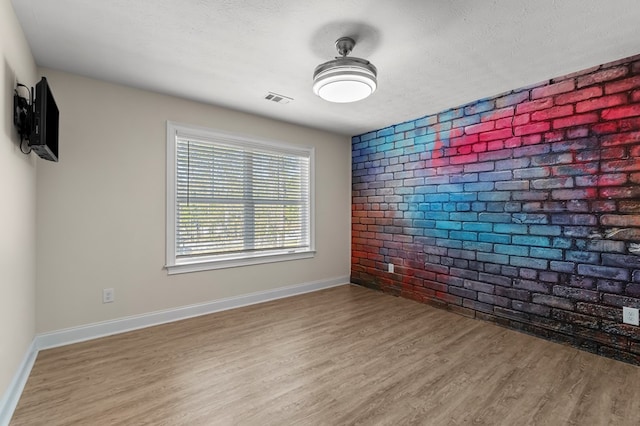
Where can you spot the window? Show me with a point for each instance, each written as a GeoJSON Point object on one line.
{"type": "Point", "coordinates": [234, 201]}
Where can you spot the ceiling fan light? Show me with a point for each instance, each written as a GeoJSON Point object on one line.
{"type": "Point", "coordinates": [345, 79]}
{"type": "Point", "coordinates": [344, 83]}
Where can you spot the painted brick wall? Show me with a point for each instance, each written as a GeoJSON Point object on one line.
{"type": "Point", "coordinates": [522, 209]}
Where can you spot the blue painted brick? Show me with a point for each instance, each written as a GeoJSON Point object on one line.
{"type": "Point", "coordinates": [533, 286]}
{"type": "Point", "coordinates": [404, 143]}
{"type": "Point", "coordinates": [368, 136]}
{"type": "Point", "coordinates": [436, 180]}
{"type": "Point", "coordinates": [577, 231]}
{"type": "Point", "coordinates": [385, 132]}
{"type": "Point", "coordinates": [409, 125]}
{"type": "Point", "coordinates": [495, 176]}
{"type": "Point", "coordinates": [582, 256]}
{"type": "Point", "coordinates": [466, 121]}
{"type": "Point", "coordinates": [494, 196]}
{"type": "Point", "coordinates": [550, 277]}
{"type": "Point", "coordinates": [561, 243]}
{"type": "Point", "coordinates": [449, 225]}
{"type": "Point", "coordinates": [479, 286]}
{"type": "Point", "coordinates": [565, 267]}
{"type": "Point", "coordinates": [464, 178]}
{"type": "Point", "coordinates": [368, 151]}
{"type": "Point", "coordinates": [464, 273]}
{"type": "Point", "coordinates": [576, 293]}
{"type": "Point", "coordinates": [432, 198]}
{"type": "Point", "coordinates": [450, 115]}
{"type": "Point", "coordinates": [620, 274]}
{"type": "Point", "coordinates": [531, 240]}
{"type": "Point", "coordinates": [355, 139]}
{"type": "Point", "coordinates": [404, 190]}
{"type": "Point", "coordinates": [574, 219]}
{"type": "Point", "coordinates": [429, 138]}
{"type": "Point", "coordinates": [493, 258]}
{"type": "Point", "coordinates": [414, 198]}
{"type": "Point", "coordinates": [426, 121]}
{"type": "Point", "coordinates": [494, 217]}
{"type": "Point", "coordinates": [436, 215]}
{"type": "Point", "coordinates": [477, 226]}
{"type": "Point", "coordinates": [463, 196]}
{"type": "Point", "coordinates": [393, 153]}
{"type": "Point", "coordinates": [397, 137]}
{"type": "Point", "coordinates": [546, 253]}
{"type": "Point", "coordinates": [377, 141]}
{"type": "Point", "coordinates": [469, 216]}
{"type": "Point", "coordinates": [471, 245]}
{"type": "Point", "coordinates": [479, 186]}
{"type": "Point", "coordinates": [530, 218]}
{"type": "Point", "coordinates": [424, 223]}
{"type": "Point", "coordinates": [526, 262]}
{"type": "Point", "coordinates": [360, 145]}
{"type": "Point", "coordinates": [479, 106]}
{"type": "Point", "coordinates": [413, 215]}
{"type": "Point", "coordinates": [464, 235]}
{"type": "Point", "coordinates": [428, 189]}
{"type": "Point", "coordinates": [436, 233]}
{"type": "Point", "coordinates": [449, 243]}
{"type": "Point", "coordinates": [413, 231]}
{"type": "Point", "coordinates": [495, 206]}
{"type": "Point", "coordinates": [545, 230]}
{"type": "Point", "coordinates": [449, 207]}
{"type": "Point", "coordinates": [509, 228]}
{"type": "Point", "coordinates": [495, 279]}
{"type": "Point", "coordinates": [456, 187]}
{"type": "Point", "coordinates": [602, 245]}
{"type": "Point", "coordinates": [494, 238]}
{"type": "Point", "coordinates": [463, 207]}
{"type": "Point", "coordinates": [511, 249]}
{"type": "Point", "coordinates": [512, 207]}
{"type": "Point", "coordinates": [620, 260]}
{"type": "Point", "coordinates": [419, 131]}
{"type": "Point", "coordinates": [463, 292]}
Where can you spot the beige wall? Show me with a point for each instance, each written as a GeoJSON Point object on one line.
{"type": "Point", "coordinates": [18, 206]}
{"type": "Point", "coordinates": [101, 209]}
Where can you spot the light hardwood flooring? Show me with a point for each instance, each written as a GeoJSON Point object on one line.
{"type": "Point", "coordinates": [342, 356]}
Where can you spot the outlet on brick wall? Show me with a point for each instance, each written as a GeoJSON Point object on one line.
{"type": "Point", "coordinates": [630, 316]}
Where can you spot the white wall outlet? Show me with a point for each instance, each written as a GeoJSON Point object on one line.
{"type": "Point", "coordinates": [108, 295]}
{"type": "Point", "coordinates": [390, 268]}
{"type": "Point", "coordinates": [630, 316]}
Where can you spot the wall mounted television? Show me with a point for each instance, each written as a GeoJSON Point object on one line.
{"type": "Point", "coordinates": [44, 124]}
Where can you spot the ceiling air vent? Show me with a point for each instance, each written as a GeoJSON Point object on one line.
{"type": "Point", "coordinates": [279, 99]}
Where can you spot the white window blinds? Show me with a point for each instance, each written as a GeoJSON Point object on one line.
{"type": "Point", "coordinates": [240, 198]}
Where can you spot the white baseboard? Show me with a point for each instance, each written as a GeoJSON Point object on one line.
{"type": "Point", "coordinates": [10, 398]}
{"type": "Point", "coordinates": [67, 336]}
{"type": "Point", "coordinates": [121, 325]}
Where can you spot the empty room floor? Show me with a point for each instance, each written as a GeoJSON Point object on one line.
{"type": "Point", "coordinates": [346, 355]}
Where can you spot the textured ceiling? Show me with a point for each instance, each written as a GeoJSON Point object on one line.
{"type": "Point", "coordinates": [430, 54]}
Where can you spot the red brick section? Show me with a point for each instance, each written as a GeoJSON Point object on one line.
{"type": "Point", "coordinates": [522, 209]}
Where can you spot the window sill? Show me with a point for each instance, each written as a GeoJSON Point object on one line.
{"type": "Point", "coordinates": [187, 266]}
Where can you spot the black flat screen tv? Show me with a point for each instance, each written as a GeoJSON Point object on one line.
{"type": "Point", "coordinates": [44, 129]}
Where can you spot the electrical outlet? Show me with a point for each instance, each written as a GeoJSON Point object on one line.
{"type": "Point", "coordinates": [390, 268]}
{"type": "Point", "coordinates": [108, 295]}
{"type": "Point", "coordinates": [630, 316]}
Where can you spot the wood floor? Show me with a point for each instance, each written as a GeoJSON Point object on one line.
{"type": "Point", "coordinates": [342, 356]}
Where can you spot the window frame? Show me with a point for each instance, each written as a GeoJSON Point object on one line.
{"type": "Point", "coordinates": [174, 265]}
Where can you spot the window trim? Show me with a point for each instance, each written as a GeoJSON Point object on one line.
{"type": "Point", "coordinates": [177, 266]}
